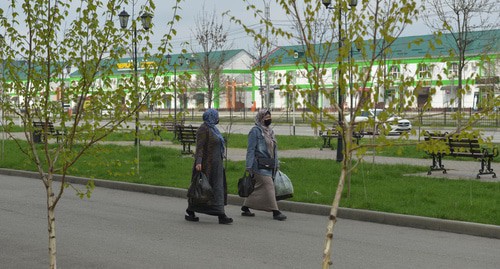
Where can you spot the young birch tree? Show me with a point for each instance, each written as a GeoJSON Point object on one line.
{"type": "Point", "coordinates": [379, 22]}
{"type": "Point", "coordinates": [212, 37]}
{"type": "Point", "coordinates": [42, 39]}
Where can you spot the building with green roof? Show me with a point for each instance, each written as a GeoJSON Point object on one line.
{"type": "Point", "coordinates": [430, 61]}
{"type": "Point", "coordinates": [185, 70]}
{"type": "Point", "coordinates": [240, 85]}
{"type": "Point", "coordinates": [188, 92]}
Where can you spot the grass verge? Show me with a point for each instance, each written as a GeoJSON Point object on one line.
{"type": "Point", "coordinates": [376, 187]}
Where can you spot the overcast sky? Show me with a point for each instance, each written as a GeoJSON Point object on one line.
{"type": "Point", "coordinates": [239, 39]}
{"type": "Point", "coordinates": [193, 8]}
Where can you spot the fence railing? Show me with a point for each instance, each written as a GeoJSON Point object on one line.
{"type": "Point", "coordinates": [417, 117]}
{"type": "Point", "coordinates": [449, 118]}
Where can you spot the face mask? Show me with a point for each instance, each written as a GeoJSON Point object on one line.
{"type": "Point", "coordinates": [267, 122]}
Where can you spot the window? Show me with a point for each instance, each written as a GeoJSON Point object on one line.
{"type": "Point", "coordinates": [274, 77]}
{"type": "Point", "coordinates": [488, 69]}
{"type": "Point", "coordinates": [365, 73]}
{"type": "Point", "coordinates": [158, 82]}
{"type": "Point", "coordinates": [424, 71]}
{"type": "Point", "coordinates": [335, 74]}
{"type": "Point", "coordinates": [453, 70]}
{"type": "Point", "coordinates": [301, 74]}
{"type": "Point", "coordinates": [394, 72]}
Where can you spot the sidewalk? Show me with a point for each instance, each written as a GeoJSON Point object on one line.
{"type": "Point", "coordinates": [460, 227]}
{"type": "Point", "coordinates": [455, 169]}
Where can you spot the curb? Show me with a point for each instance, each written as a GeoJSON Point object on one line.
{"type": "Point", "coordinates": [460, 227]}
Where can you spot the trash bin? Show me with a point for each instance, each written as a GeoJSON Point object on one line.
{"type": "Point", "coordinates": [37, 136]}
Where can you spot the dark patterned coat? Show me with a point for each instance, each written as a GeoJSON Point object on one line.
{"type": "Point", "coordinates": [208, 153]}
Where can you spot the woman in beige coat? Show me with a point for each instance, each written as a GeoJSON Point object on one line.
{"type": "Point", "coordinates": [262, 164]}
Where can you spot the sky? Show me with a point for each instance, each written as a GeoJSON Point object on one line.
{"type": "Point", "coordinates": [237, 37]}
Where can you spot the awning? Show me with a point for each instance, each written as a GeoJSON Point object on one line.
{"type": "Point", "coordinates": [449, 88]}
{"type": "Point", "coordinates": [422, 90]}
{"type": "Point", "coordinates": [488, 80]}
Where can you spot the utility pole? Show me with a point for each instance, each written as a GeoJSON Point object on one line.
{"type": "Point", "coordinates": [268, 17]}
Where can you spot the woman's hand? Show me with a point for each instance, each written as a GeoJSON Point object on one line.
{"type": "Point", "coordinates": [198, 167]}
{"type": "Point", "coordinates": [250, 172]}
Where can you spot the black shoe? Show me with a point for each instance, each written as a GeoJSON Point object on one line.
{"type": "Point", "coordinates": [225, 220]}
{"type": "Point", "coordinates": [279, 217]}
{"type": "Point", "coordinates": [191, 216]}
{"type": "Point", "coordinates": [246, 212]}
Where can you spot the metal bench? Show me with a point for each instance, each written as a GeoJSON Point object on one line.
{"type": "Point", "coordinates": [327, 136]}
{"type": "Point", "coordinates": [187, 136]}
{"type": "Point", "coordinates": [169, 126]}
{"type": "Point", "coordinates": [45, 130]}
{"type": "Point", "coordinates": [460, 147]}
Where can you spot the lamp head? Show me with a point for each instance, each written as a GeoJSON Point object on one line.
{"type": "Point", "coordinates": [169, 58]}
{"type": "Point", "coordinates": [146, 19]}
{"type": "Point", "coordinates": [123, 16]}
{"type": "Point", "coordinates": [327, 3]}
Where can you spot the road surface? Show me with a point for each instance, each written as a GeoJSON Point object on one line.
{"type": "Point", "coordinates": [120, 229]}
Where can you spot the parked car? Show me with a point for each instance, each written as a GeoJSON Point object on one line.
{"type": "Point", "coordinates": [395, 124]}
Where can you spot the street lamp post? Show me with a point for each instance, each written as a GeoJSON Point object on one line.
{"type": "Point", "coordinates": [351, 60]}
{"type": "Point", "coordinates": [350, 83]}
{"type": "Point", "coordinates": [2, 98]}
{"type": "Point", "coordinates": [180, 62]}
{"type": "Point", "coordinates": [146, 25]}
{"type": "Point", "coordinates": [327, 3]}
{"type": "Point", "coordinates": [67, 68]}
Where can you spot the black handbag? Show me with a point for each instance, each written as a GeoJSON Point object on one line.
{"type": "Point", "coordinates": [200, 190]}
{"type": "Point", "coordinates": [245, 185]}
{"type": "Point", "coordinates": [266, 163]}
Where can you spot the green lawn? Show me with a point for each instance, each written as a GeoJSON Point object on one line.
{"type": "Point", "coordinates": [374, 187]}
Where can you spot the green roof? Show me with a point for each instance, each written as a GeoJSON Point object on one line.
{"type": "Point", "coordinates": [126, 63]}
{"type": "Point", "coordinates": [410, 47]}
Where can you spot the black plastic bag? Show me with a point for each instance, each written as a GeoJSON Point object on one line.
{"type": "Point", "coordinates": [200, 190]}
{"type": "Point", "coordinates": [245, 185]}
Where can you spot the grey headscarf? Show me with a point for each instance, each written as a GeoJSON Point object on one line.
{"type": "Point", "coordinates": [266, 131]}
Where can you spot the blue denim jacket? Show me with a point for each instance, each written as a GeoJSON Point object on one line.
{"type": "Point", "coordinates": [257, 148]}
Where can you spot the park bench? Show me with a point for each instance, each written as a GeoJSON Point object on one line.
{"type": "Point", "coordinates": [331, 133]}
{"type": "Point", "coordinates": [44, 130]}
{"type": "Point", "coordinates": [187, 136]}
{"type": "Point", "coordinates": [460, 147]}
{"type": "Point", "coordinates": [168, 125]}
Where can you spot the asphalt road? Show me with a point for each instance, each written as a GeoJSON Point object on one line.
{"type": "Point", "coordinates": [120, 229]}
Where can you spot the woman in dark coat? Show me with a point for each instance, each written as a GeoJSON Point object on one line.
{"type": "Point", "coordinates": [209, 160]}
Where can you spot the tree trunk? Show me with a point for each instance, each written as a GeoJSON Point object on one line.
{"type": "Point", "coordinates": [51, 218]}
{"type": "Point", "coordinates": [210, 97]}
{"type": "Point", "coordinates": [459, 90]}
{"type": "Point", "coordinates": [333, 217]}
